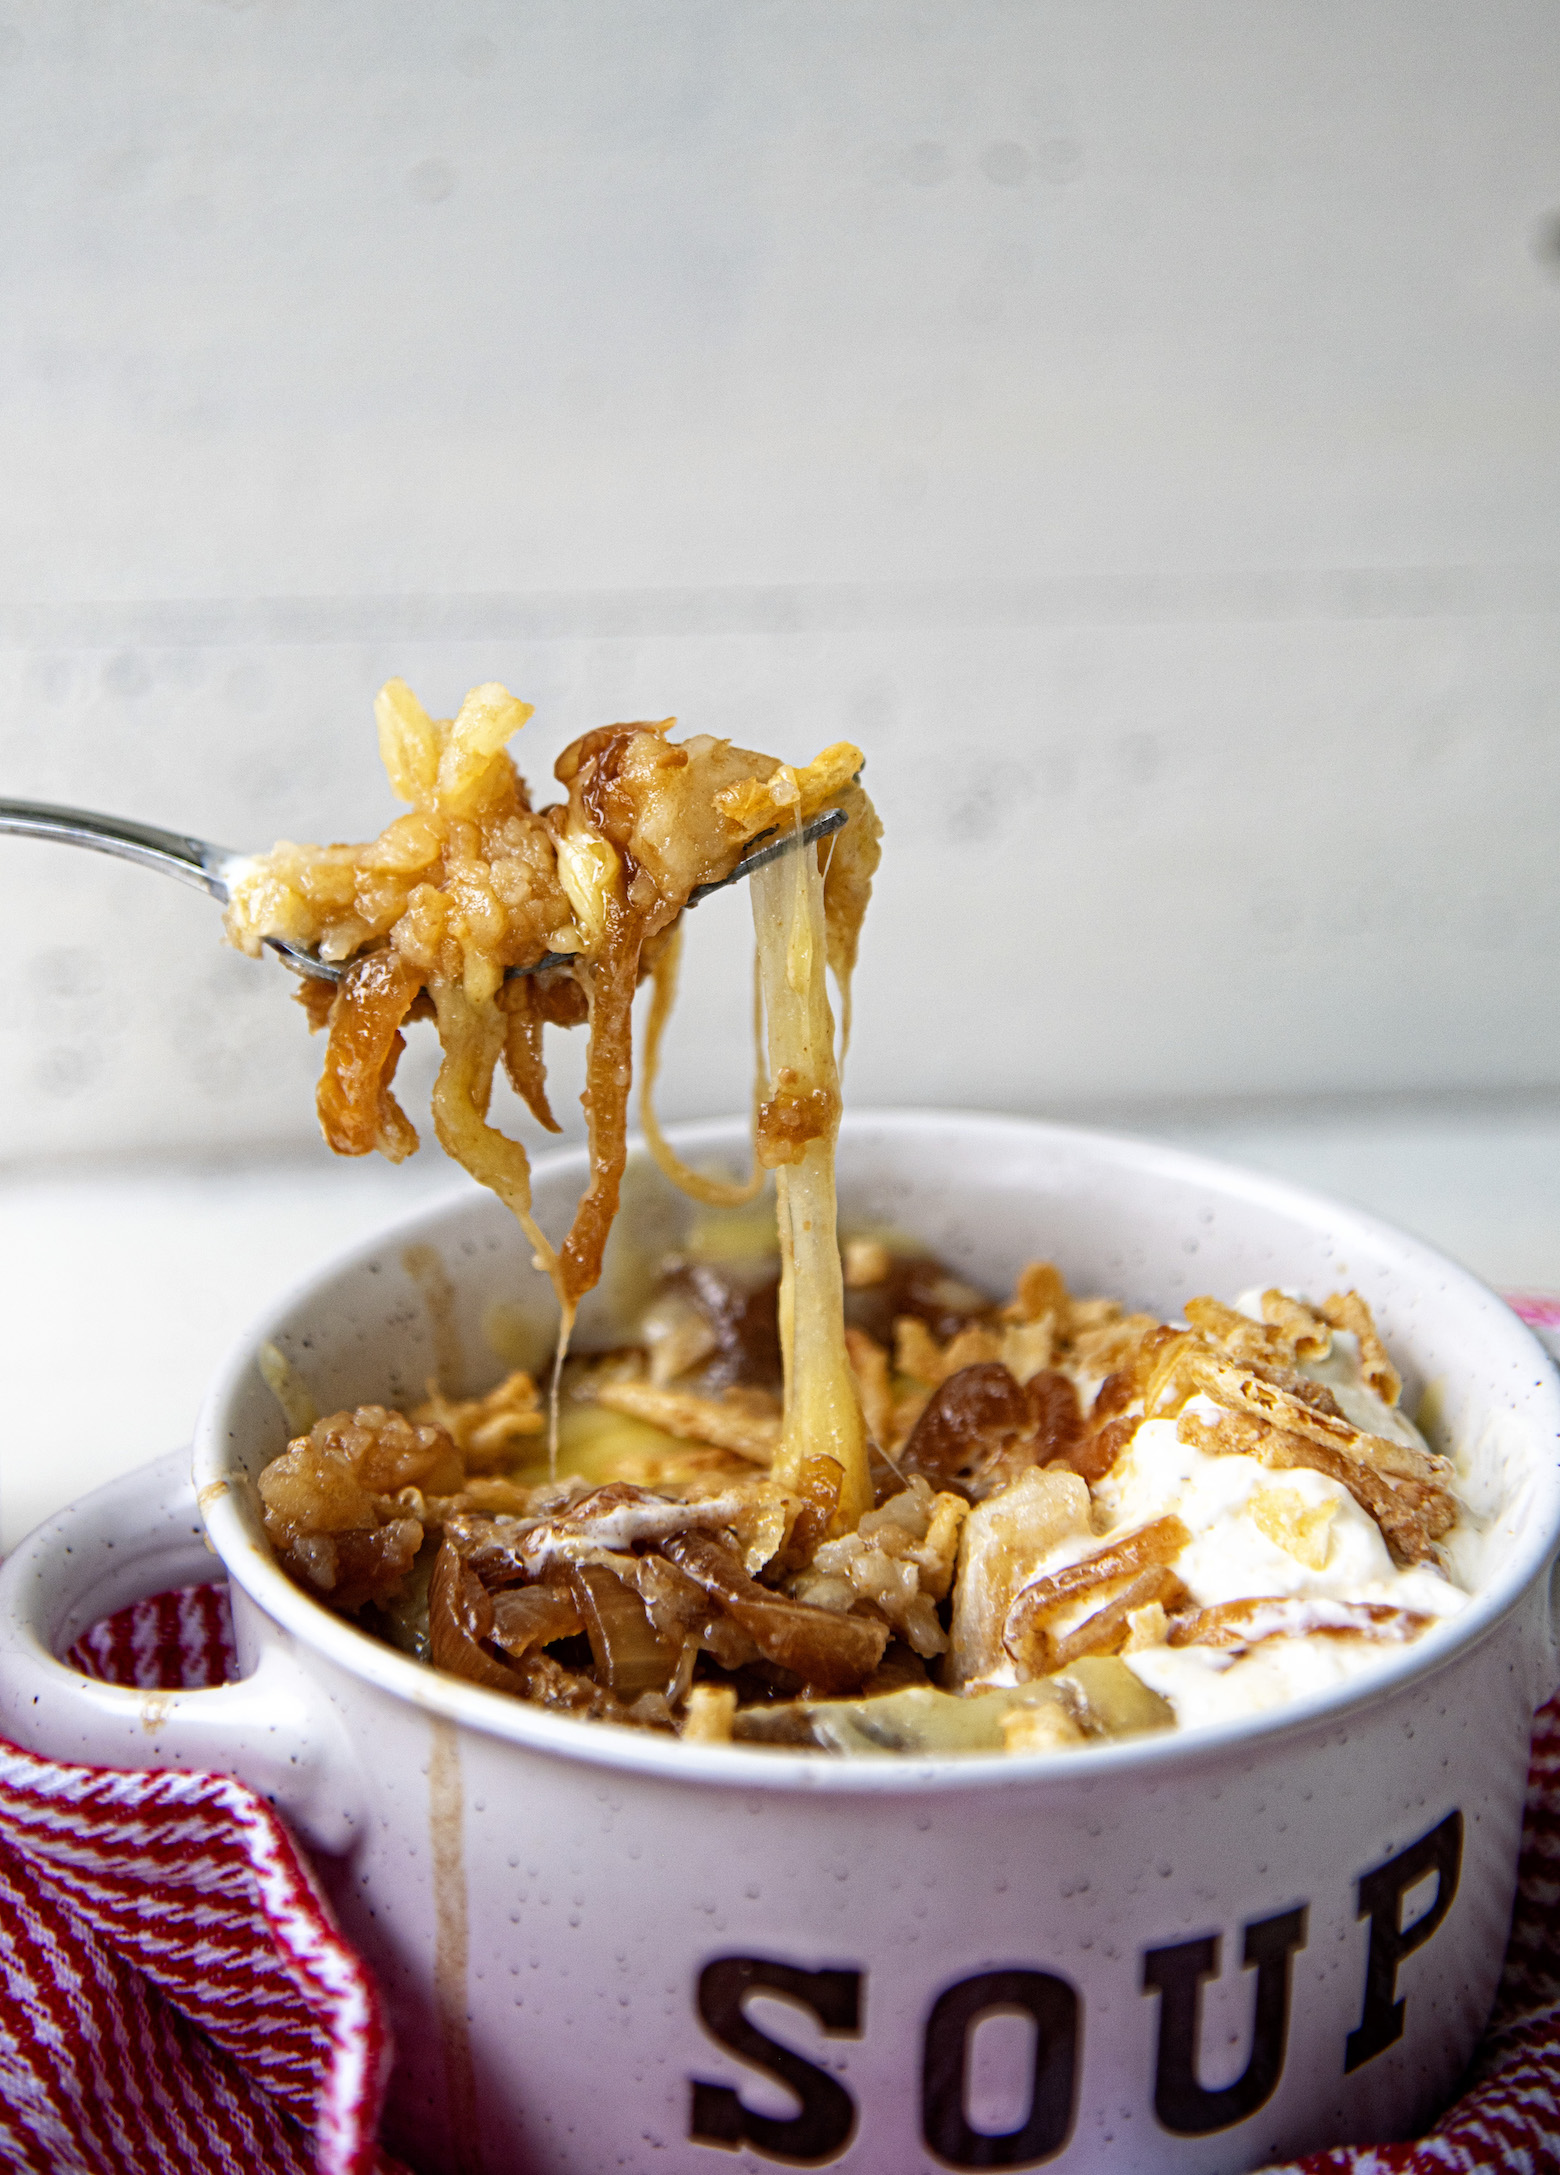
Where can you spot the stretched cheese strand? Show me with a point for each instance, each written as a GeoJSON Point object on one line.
{"type": "Point", "coordinates": [797, 1129]}
{"type": "Point", "coordinates": [698, 1185]}
{"type": "Point", "coordinates": [473, 1039]}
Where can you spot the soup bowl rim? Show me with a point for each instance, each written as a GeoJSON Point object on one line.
{"type": "Point", "coordinates": [229, 1507]}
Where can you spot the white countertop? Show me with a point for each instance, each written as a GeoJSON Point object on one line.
{"type": "Point", "coordinates": [122, 1286]}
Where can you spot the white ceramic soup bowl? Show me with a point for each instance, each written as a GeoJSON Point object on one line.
{"type": "Point", "coordinates": [606, 1949]}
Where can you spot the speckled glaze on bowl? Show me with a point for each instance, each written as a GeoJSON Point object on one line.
{"type": "Point", "coordinates": [609, 1950]}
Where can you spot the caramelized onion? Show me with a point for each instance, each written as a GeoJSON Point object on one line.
{"type": "Point", "coordinates": [527, 1617]}
{"type": "Point", "coordinates": [357, 1111]}
{"type": "Point", "coordinates": [1057, 1415]}
{"type": "Point", "coordinates": [610, 981]}
{"type": "Point", "coordinates": [827, 1651]}
{"type": "Point", "coordinates": [365, 1563]}
{"type": "Point", "coordinates": [523, 1059]}
{"type": "Point", "coordinates": [974, 1413]}
{"type": "Point", "coordinates": [685, 1617]}
{"type": "Point", "coordinates": [1096, 1452]}
{"type": "Point", "coordinates": [628, 1652]}
{"type": "Point", "coordinates": [745, 1320]}
{"type": "Point", "coordinates": [565, 1691]}
{"type": "Point", "coordinates": [460, 1615]}
{"type": "Point", "coordinates": [1112, 1397]}
{"type": "Point", "coordinates": [818, 1486]}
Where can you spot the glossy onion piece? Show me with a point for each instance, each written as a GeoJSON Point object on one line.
{"type": "Point", "coordinates": [1056, 1413]}
{"type": "Point", "coordinates": [1094, 1454]}
{"type": "Point", "coordinates": [357, 1111]}
{"type": "Point", "coordinates": [1247, 1623]}
{"type": "Point", "coordinates": [677, 1608]}
{"type": "Point", "coordinates": [684, 1614]}
{"type": "Point", "coordinates": [1025, 1634]}
{"type": "Point", "coordinates": [1109, 1628]}
{"type": "Point", "coordinates": [976, 1410]}
{"type": "Point", "coordinates": [831, 1653]}
{"type": "Point", "coordinates": [368, 1563]}
{"type": "Point", "coordinates": [527, 1618]}
{"type": "Point", "coordinates": [817, 1485]}
{"type": "Point", "coordinates": [1108, 1431]}
{"type": "Point", "coordinates": [460, 1614]}
{"type": "Point", "coordinates": [629, 1654]}
{"type": "Point", "coordinates": [610, 980]}
{"type": "Point", "coordinates": [743, 1320]}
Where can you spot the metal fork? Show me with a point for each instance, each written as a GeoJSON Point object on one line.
{"type": "Point", "coordinates": [217, 869]}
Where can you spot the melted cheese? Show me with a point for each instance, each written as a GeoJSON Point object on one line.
{"type": "Point", "coordinates": [798, 1126]}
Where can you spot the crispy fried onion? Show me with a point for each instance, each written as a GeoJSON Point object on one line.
{"type": "Point", "coordinates": [1290, 1332]}
{"type": "Point", "coordinates": [1249, 1622]}
{"type": "Point", "coordinates": [622, 1602]}
{"type": "Point", "coordinates": [1252, 1344]}
{"type": "Point", "coordinates": [1128, 1575]}
{"type": "Point", "coordinates": [1286, 1420]}
{"type": "Point", "coordinates": [1347, 1310]}
{"type": "Point", "coordinates": [488, 1429]}
{"type": "Point", "coordinates": [1095, 1336]}
{"type": "Point", "coordinates": [1401, 1488]}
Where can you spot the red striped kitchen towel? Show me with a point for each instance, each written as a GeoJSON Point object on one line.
{"type": "Point", "coordinates": [175, 1995]}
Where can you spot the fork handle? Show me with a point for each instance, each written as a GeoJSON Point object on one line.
{"type": "Point", "coordinates": [191, 860]}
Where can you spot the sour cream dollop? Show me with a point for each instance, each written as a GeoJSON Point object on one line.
{"type": "Point", "coordinates": [1298, 1534]}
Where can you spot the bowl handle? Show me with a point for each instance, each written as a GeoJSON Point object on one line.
{"type": "Point", "coordinates": [275, 1729]}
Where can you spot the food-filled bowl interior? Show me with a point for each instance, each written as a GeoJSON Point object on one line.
{"type": "Point", "coordinates": [450, 1294]}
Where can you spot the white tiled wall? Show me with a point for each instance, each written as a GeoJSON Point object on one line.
{"type": "Point", "coordinates": [1133, 422]}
